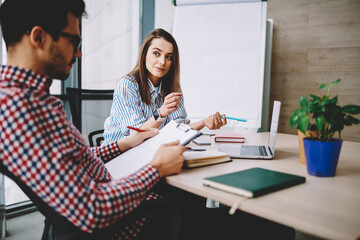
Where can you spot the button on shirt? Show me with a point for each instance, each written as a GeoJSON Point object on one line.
{"type": "Point", "coordinates": [46, 152]}
{"type": "Point", "coordinates": [129, 110]}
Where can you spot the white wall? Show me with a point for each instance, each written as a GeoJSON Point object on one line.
{"type": "Point", "coordinates": [164, 15]}
{"type": "Point", "coordinates": [110, 42]}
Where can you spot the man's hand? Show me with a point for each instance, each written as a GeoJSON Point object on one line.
{"type": "Point", "coordinates": [135, 139]}
{"type": "Point", "coordinates": [169, 158]}
{"type": "Point", "coordinates": [171, 103]}
{"type": "Point", "coordinates": [214, 121]}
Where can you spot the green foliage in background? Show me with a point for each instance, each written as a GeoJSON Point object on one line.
{"type": "Point", "coordinates": [323, 114]}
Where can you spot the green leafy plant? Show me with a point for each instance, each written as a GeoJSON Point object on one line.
{"type": "Point", "coordinates": [323, 114]}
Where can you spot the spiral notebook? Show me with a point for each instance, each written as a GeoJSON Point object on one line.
{"type": "Point", "coordinates": [137, 157]}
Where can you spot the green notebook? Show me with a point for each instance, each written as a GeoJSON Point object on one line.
{"type": "Point", "coordinates": [253, 182]}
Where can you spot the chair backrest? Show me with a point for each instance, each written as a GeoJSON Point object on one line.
{"type": "Point", "coordinates": [96, 138]}
{"type": "Point", "coordinates": [2, 207]}
{"type": "Point", "coordinates": [89, 108]}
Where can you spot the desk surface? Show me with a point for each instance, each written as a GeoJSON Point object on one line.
{"type": "Point", "coordinates": [324, 207]}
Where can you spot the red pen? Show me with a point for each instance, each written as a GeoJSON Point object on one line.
{"type": "Point", "coordinates": [136, 129]}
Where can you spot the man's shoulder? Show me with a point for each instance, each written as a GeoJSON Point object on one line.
{"type": "Point", "coordinates": [9, 92]}
{"type": "Point", "coordinates": [15, 95]}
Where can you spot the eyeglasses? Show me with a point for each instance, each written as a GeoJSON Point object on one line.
{"type": "Point", "coordinates": [76, 40]}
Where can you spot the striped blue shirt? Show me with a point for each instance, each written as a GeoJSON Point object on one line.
{"type": "Point", "coordinates": [129, 110]}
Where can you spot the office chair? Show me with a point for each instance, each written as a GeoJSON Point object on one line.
{"type": "Point", "coordinates": [2, 207]}
{"type": "Point", "coordinates": [96, 138]}
{"type": "Point", "coordinates": [77, 98]}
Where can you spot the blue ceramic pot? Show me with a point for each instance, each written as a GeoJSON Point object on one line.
{"type": "Point", "coordinates": [322, 157]}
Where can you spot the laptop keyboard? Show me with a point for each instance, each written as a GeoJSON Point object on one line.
{"type": "Point", "coordinates": [262, 151]}
{"type": "Point", "coordinates": [247, 150]}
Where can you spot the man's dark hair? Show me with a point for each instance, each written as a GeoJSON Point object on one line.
{"type": "Point", "coordinates": [19, 16]}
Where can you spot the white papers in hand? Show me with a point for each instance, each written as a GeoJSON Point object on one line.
{"type": "Point", "coordinates": [137, 157]}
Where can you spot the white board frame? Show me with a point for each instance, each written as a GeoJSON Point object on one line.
{"type": "Point", "coordinates": [196, 28]}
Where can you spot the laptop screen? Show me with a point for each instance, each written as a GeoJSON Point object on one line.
{"type": "Point", "coordinates": [274, 125]}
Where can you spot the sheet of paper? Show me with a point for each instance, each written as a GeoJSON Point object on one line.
{"type": "Point", "coordinates": [135, 158]}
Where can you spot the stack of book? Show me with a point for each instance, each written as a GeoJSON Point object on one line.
{"type": "Point", "coordinates": [229, 137]}
{"type": "Point", "coordinates": [204, 158]}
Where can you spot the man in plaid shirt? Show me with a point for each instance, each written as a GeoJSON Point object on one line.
{"type": "Point", "coordinates": [40, 148]}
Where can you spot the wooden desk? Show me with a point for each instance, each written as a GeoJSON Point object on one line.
{"type": "Point", "coordinates": [323, 207]}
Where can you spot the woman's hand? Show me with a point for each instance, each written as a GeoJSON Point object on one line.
{"type": "Point", "coordinates": [136, 138]}
{"type": "Point", "coordinates": [214, 121]}
{"type": "Point", "coordinates": [171, 103]}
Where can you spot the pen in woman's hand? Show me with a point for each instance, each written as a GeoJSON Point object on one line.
{"type": "Point", "coordinates": [136, 129]}
{"type": "Point", "coordinates": [233, 118]}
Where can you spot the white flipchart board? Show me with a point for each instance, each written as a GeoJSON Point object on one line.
{"type": "Point", "coordinates": [222, 54]}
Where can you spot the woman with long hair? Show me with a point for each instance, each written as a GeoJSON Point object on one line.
{"type": "Point", "coordinates": [150, 95]}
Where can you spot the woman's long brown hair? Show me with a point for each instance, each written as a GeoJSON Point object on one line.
{"type": "Point", "coordinates": [170, 82]}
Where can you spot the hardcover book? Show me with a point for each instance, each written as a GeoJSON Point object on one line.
{"type": "Point", "coordinates": [209, 157]}
{"type": "Point", "coordinates": [229, 137]}
{"type": "Point", "coordinates": [253, 182]}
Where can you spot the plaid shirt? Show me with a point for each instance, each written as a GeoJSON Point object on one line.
{"type": "Point", "coordinates": [43, 149]}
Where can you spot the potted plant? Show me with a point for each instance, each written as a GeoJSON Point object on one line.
{"type": "Point", "coordinates": [300, 118]}
{"type": "Point", "coordinates": [325, 117]}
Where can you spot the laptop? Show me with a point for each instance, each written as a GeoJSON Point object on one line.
{"type": "Point", "coordinates": [255, 151]}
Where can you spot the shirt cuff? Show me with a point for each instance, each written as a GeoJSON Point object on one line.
{"type": "Point", "coordinates": [152, 170]}
{"type": "Point", "coordinates": [107, 152]}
